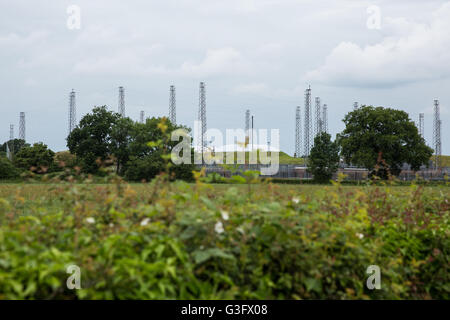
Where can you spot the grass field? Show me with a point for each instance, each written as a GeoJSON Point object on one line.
{"type": "Point", "coordinates": [445, 161]}
{"type": "Point", "coordinates": [36, 191]}
{"type": "Point", "coordinates": [198, 241]}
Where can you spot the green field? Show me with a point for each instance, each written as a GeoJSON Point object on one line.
{"type": "Point", "coordinates": [445, 161]}
{"type": "Point", "coordinates": [199, 241]}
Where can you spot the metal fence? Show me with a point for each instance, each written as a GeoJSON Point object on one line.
{"type": "Point", "coordinates": [289, 171]}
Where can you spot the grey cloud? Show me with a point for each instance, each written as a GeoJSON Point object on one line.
{"type": "Point", "coordinates": [251, 54]}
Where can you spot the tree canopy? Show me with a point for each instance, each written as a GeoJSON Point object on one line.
{"type": "Point", "coordinates": [35, 158]}
{"type": "Point", "coordinates": [91, 139]}
{"type": "Point", "coordinates": [14, 146]}
{"type": "Point", "coordinates": [382, 140]}
{"type": "Point", "coordinates": [104, 135]}
{"type": "Point", "coordinates": [7, 169]}
{"type": "Point", "coordinates": [323, 161]}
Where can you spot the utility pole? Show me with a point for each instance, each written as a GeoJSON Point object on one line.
{"type": "Point", "coordinates": [172, 106]}
{"type": "Point", "coordinates": [308, 122]}
{"type": "Point", "coordinates": [298, 141]}
{"type": "Point", "coordinates": [325, 118]}
{"type": "Point", "coordinates": [11, 138]}
{"type": "Point", "coordinates": [202, 118]}
{"type": "Point", "coordinates": [252, 133]}
{"type": "Point", "coordinates": [72, 111]}
{"type": "Point", "coordinates": [22, 126]}
{"type": "Point", "coordinates": [11, 132]}
{"type": "Point", "coordinates": [122, 101]}
{"type": "Point", "coordinates": [421, 124]}
{"type": "Point", "coordinates": [247, 127]}
{"type": "Point", "coordinates": [437, 135]}
{"type": "Point", "coordinates": [318, 118]}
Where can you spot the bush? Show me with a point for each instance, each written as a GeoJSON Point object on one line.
{"type": "Point", "coordinates": [192, 241]}
{"type": "Point", "coordinates": [143, 168]}
{"type": "Point", "coordinates": [323, 161]}
{"type": "Point", "coordinates": [7, 169]}
{"type": "Point", "coordinates": [65, 159]}
{"type": "Point", "coordinates": [35, 158]}
{"type": "Point", "coordinates": [147, 168]}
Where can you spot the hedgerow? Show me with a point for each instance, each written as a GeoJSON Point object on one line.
{"type": "Point", "coordinates": [191, 241]}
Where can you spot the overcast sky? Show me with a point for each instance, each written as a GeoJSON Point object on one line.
{"type": "Point", "coordinates": [255, 54]}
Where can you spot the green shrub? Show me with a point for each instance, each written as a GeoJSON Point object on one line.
{"type": "Point", "coordinates": [192, 241]}
{"type": "Point", "coordinates": [65, 159]}
{"type": "Point", "coordinates": [37, 158]}
{"type": "Point", "coordinates": [7, 169]}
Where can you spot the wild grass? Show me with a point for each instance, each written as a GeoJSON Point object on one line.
{"type": "Point", "coordinates": [164, 240]}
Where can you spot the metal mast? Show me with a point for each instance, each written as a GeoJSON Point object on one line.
{"type": "Point", "coordinates": [122, 101]}
{"type": "Point", "coordinates": [421, 124]}
{"type": "Point", "coordinates": [308, 122]}
{"type": "Point", "coordinates": [325, 118]}
{"type": "Point", "coordinates": [355, 106]}
{"type": "Point", "coordinates": [202, 117]}
{"type": "Point", "coordinates": [72, 111]}
{"type": "Point", "coordinates": [247, 126]}
{"type": "Point", "coordinates": [437, 135]}
{"type": "Point", "coordinates": [298, 127]}
{"type": "Point", "coordinates": [11, 132]}
{"type": "Point", "coordinates": [10, 144]}
{"type": "Point", "coordinates": [252, 133]}
{"type": "Point", "coordinates": [22, 126]}
{"type": "Point", "coordinates": [142, 116]}
{"type": "Point", "coordinates": [317, 118]}
{"type": "Point", "coordinates": [172, 106]}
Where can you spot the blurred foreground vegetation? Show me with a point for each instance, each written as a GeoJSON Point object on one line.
{"type": "Point", "coordinates": [164, 240]}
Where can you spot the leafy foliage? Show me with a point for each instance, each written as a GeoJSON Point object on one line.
{"type": "Point", "coordinates": [103, 135]}
{"type": "Point", "coordinates": [91, 139]}
{"type": "Point", "coordinates": [121, 137]}
{"type": "Point", "coordinates": [149, 159]}
{"type": "Point", "coordinates": [374, 134]}
{"type": "Point", "coordinates": [191, 241]}
{"type": "Point", "coordinates": [14, 147]}
{"type": "Point", "coordinates": [7, 169]}
{"type": "Point", "coordinates": [323, 161]}
{"type": "Point", "coordinates": [65, 159]}
{"type": "Point", "coordinates": [35, 158]}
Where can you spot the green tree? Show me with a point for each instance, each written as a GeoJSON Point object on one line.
{"type": "Point", "coordinates": [91, 139]}
{"type": "Point", "coordinates": [382, 140]}
{"type": "Point", "coordinates": [323, 161]}
{"type": "Point", "coordinates": [147, 160]}
{"type": "Point", "coordinates": [121, 137]}
{"type": "Point", "coordinates": [14, 146]}
{"type": "Point", "coordinates": [35, 158]}
{"type": "Point", "coordinates": [104, 134]}
{"type": "Point", "coordinates": [7, 169]}
{"type": "Point", "coordinates": [64, 159]}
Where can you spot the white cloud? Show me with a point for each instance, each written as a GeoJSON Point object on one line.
{"type": "Point", "coordinates": [252, 88]}
{"type": "Point", "coordinates": [30, 82]}
{"type": "Point", "coordinates": [442, 108]}
{"type": "Point", "coordinates": [270, 50]}
{"type": "Point", "coordinates": [217, 61]}
{"type": "Point", "coordinates": [409, 52]}
{"type": "Point", "coordinates": [248, 52]}
{"type": "Point", "coordinates": [125, 61]}
{"type": "Point", "coordinates": [223, 61]}
{"type": "Point", "coordinates": [14, 40]}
